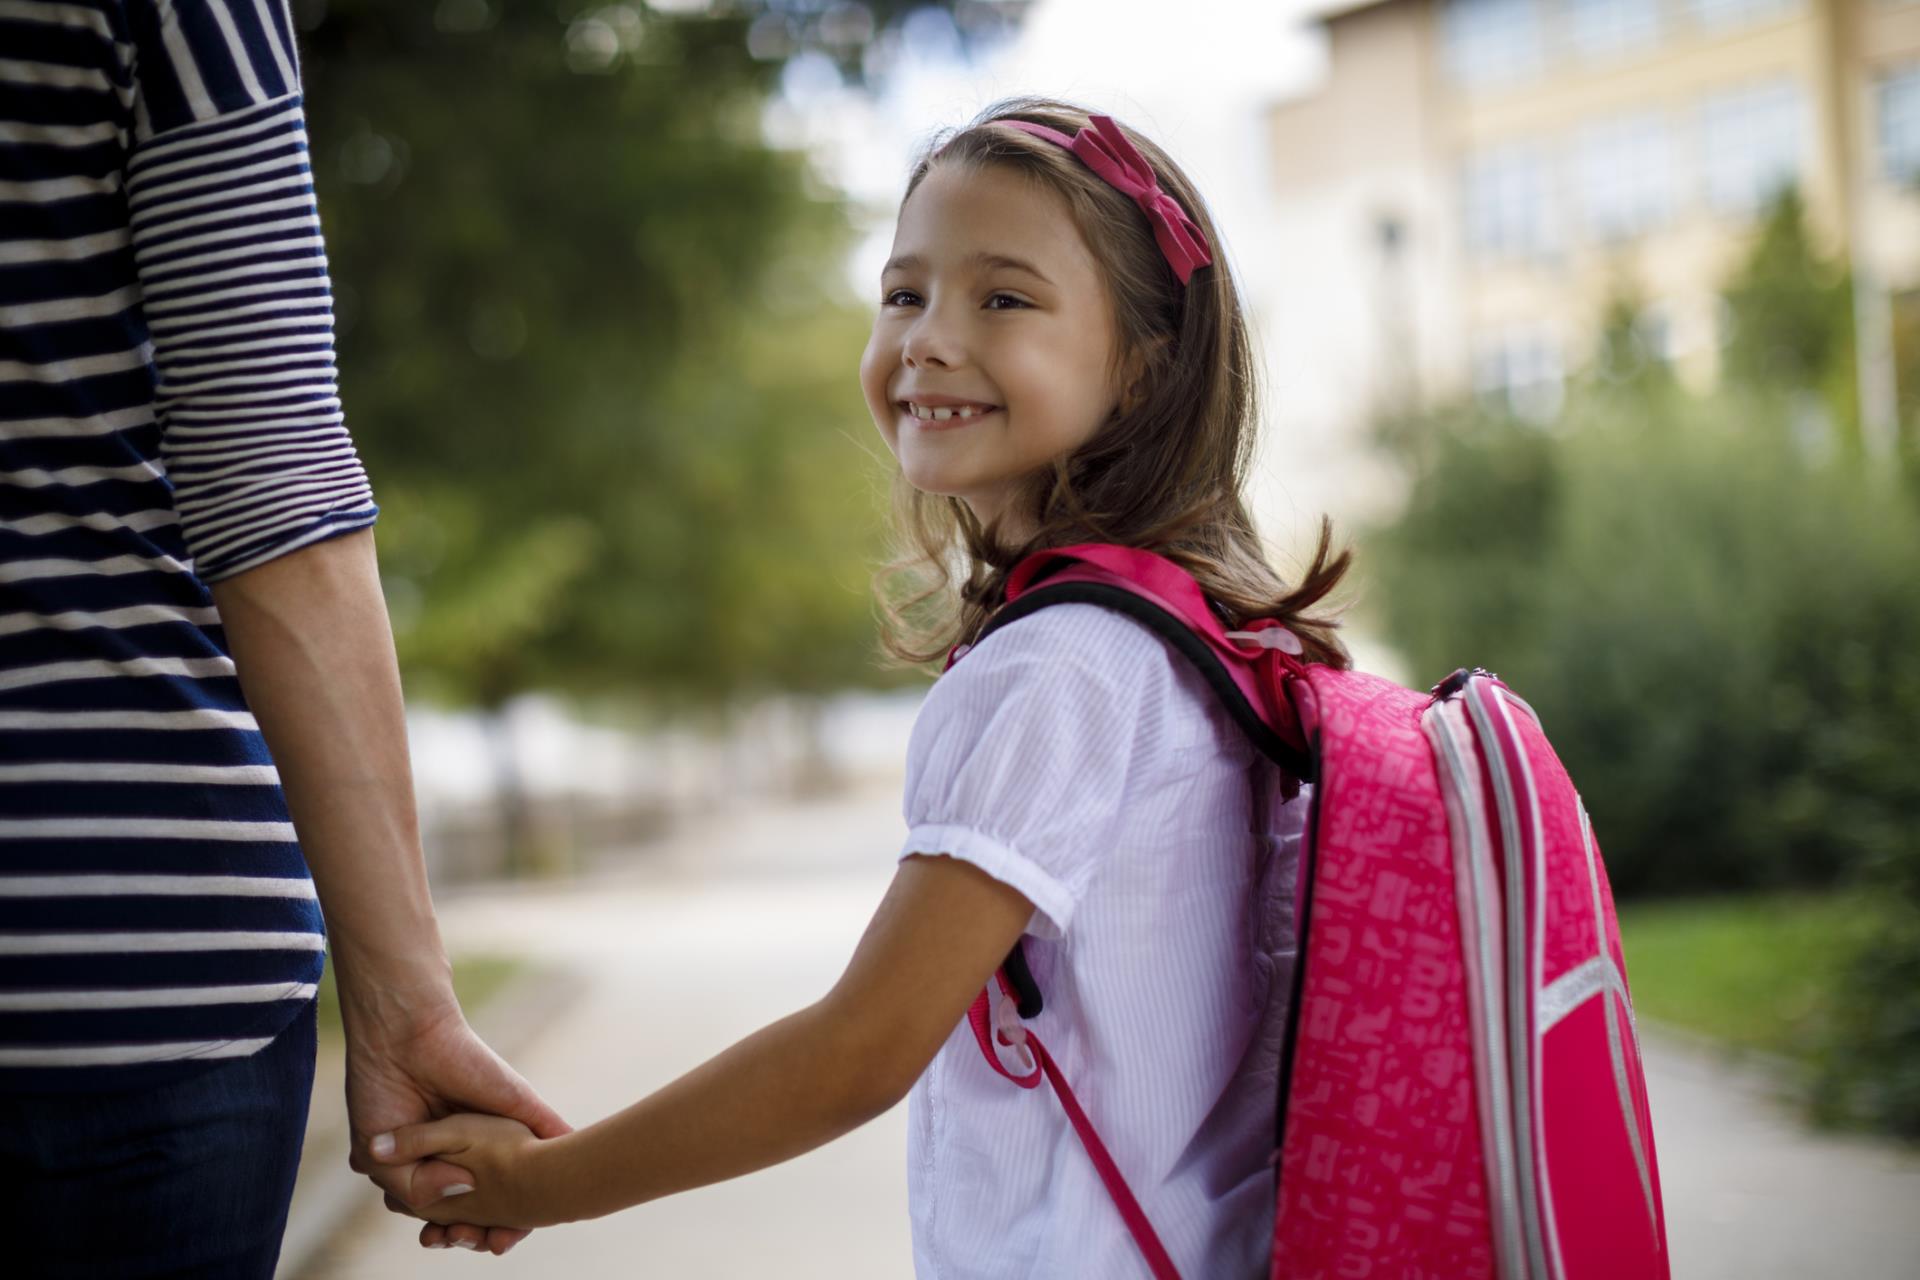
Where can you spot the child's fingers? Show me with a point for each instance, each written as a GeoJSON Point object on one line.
{"type": "Point", "coordinates": [436, 1180]}
{"type": "Point", "coordinates": [412, 1189]}
{"type": "Point", "coordinates": [411, 1173]}
{"type": "Point", "coordinates": [414, 1142]}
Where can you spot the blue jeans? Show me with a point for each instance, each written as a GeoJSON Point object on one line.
{"type": "Point", "coordinates": [191, 1178]}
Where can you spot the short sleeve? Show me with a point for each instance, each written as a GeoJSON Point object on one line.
{"type": "Point", "coordinates": [199, 60]}
{"type": "Point", "coordinates": [234, 285]}
{"type": "Point", "coordinates": [1020, 759]}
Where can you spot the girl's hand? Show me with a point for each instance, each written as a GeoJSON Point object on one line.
{"type": "Point", "coordinates": [504, 1158]}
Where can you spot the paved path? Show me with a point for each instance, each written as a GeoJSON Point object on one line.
{"type": "Point", "coordinates": [729, 927]}
{"type": "Point", "coordinates": [1752, 1195]}
{"type": "Point", "coordinates": [746, 918]}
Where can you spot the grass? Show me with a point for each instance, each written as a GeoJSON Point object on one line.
{"type": "Point", "coordinates": [476, 979]}
{"type": "Point", "coordinates": [1752, 971]}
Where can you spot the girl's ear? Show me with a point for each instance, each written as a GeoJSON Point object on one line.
{"type": "Point", "coordinates": [1136, 370]}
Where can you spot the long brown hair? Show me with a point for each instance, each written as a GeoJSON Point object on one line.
{"type": "Point", "coordinates": [1165, 474]}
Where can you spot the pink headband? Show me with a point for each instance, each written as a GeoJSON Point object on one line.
{"type": "Point", "coordinates": [1105, 150]}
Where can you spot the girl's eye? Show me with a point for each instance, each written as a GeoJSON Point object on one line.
{"type": "Point", "coordinates": [1004, 302]}
{"type": "Point", "coordinates": [901, 298]}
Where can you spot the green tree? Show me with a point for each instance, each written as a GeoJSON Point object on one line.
{"type": "Point", "coordinates": [594, 342]}
{"type": "Point", "coordinates": [596, 346]}
{"type": "Point", "coordinates": [1791, 308]}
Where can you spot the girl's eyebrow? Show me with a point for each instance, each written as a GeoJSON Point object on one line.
{"type": "Point", "coordinates": [981, 260]}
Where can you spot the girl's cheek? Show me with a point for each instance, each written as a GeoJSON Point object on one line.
{"type": "Point", "coordinates": [873, 387]}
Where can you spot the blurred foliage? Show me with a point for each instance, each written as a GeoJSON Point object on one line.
{"type": "Point", "coordinates": [1714, 603]}
{"type": "Point", "coordinates": [596, 345]}
{"type": "Point", "coordinates": [477, 979]}
{"type": "Point", "coordinates": [1870, 1066]}
{"type": "Point", "coordinates": [1906, 352]}
{"type": "Point", "coordinates": [1792, 318]}
{"type": "Point", "coordinates": [1722, 633]}
{"type": "Point", "coordinates": [1754, 971]}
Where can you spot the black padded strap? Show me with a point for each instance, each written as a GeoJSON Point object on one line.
{"type": "Point", "coordinates": [1181, 637]}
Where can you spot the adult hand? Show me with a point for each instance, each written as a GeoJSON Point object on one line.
{"type": "Point", "coordinates": [425, 1068]}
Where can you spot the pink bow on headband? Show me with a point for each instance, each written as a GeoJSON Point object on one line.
{"type": "Point", "coordinates": [1105, 150]}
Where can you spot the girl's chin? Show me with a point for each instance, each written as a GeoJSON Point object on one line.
{"type": "Point", "coordinates": [942, 483]}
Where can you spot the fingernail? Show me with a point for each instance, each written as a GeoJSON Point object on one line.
{"type": "Point", "coordinates": [457, 1189]}
{"type": "Point", "coordinates": [382, 1145]}
{"type": "Point", "coordinates": [465, 1244]}
{"type": "Point", "coordinates": [438, 1245]}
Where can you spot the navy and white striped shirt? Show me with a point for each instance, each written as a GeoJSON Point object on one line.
{"type": "Point", "coordinates": [168, 417]}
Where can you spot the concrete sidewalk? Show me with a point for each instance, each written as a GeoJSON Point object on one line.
{"type": "Point", "coordinates": [746, 918]}
{"type": "Point", "coordinates": [730, 926]}
{"type": "Point", "coordinates": [1751, 1194]}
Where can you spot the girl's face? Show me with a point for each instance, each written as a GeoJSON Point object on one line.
{"type": "Point", "coordinates": [995, 349]}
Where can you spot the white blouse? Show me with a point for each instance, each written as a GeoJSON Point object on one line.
{"type": "Point", "coordinates": [1075, 757]}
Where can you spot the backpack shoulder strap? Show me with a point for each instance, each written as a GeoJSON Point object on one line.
{"type": "Point", "coordinates": [1248, 670]}
{"type": "Point", "coordinates": [1255, 673]}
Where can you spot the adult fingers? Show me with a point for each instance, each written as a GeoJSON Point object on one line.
{"type": "Point", "coordinates": [454, 1236]}
{"type": "Point", "coordinates": [501, 1239]}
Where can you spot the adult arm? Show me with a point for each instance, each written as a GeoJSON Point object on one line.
{"type": "Point", "coordinates": [310, 638]}
{"type": "Point", "coordinates": [274, 509]}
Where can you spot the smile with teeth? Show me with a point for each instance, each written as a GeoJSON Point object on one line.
{"type": "Point", "coordinates": [945, 413]}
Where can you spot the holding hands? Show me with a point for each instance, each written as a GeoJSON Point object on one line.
{"type": "Point", "coordinates": [509, 1166]}
{"type": "Point", "coordinates": [403, 1071]}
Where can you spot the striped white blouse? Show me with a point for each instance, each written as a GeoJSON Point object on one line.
{"type": "Point", "coordinates": [168, 417]}
{"type": "Point", "coordinates": [1075, 757]}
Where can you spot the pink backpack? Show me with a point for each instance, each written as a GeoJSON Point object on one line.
{"type": "Point", "coordinates": [1461, 1092]}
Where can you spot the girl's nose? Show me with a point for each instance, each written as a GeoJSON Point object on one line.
{"type": "Point", "coordinates": [930, 343]}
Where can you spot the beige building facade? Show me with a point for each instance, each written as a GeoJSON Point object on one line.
{"type": "Point", "coordinates": [1475, 181]}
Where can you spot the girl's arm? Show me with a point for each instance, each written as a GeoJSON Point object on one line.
{"type": "Point", "coordinates": [935, 940]}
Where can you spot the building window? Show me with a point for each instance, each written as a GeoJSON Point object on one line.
{"type": "Point", "coordinates": [1626, 169]}
{"type": "Point", "coordinates": [1491, 42]}
{"type": "Point", "coordinates": [1724, 14]}
{"type": "Point", "coordinates": [1602, 28]}
{"type": "Point", "coordinates": [1509, 207]}
{"type": "Point", "coordinates": [1898, 109]}
{"type": "Point", "coordinates": [1518, 371]}
{"type": "Point", "coordinates": [1752, 144]}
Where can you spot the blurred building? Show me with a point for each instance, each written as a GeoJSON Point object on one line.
{"type": "Point", "coordinates": [1475, 180]}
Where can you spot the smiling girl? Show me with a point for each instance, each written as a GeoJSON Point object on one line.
{"type": "Point", "coordinates": [1059, 357]}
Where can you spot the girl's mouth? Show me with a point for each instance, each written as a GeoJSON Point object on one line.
{"type": "Point", "coordinates": [939, 416]}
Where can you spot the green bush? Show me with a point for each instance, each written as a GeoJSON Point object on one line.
{"type": "Point", "coordinates": [1721, 632]}
{"type": "Point", "coordinates": [1752, 971]}
{"type": "Point", "coordinates": [1870, 1068]}
{"type": "Point", "coordinates": [1717, 615]}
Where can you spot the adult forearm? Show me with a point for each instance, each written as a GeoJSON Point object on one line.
{"type": "Point", "coordinates": [311, 640]}
{"type": "Point", "coordinates": [788, 1088]}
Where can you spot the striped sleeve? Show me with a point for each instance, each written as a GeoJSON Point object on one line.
{"type": "Point", "coordinates": [233, 273]}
